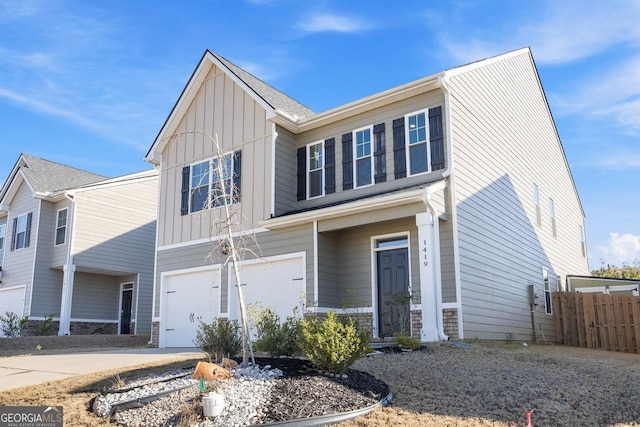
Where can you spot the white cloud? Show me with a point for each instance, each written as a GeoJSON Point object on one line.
{"type": "Point", "coordinates": [557, 32]}
{"type": "Point", "coordinates": [327, 22]}
{"type": "Point", "coordinates": [620, 249]}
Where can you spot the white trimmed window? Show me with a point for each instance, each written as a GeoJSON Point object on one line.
{"type": "Point", "coordinates": [315, 170]}
{"type": "Point", "coordinates": [363, 159]}
{"type": "Point", "coordinates": [583, 243]}
{"type": "Point", "coordinates": [418, 150]}
{"type": "Point", "coordinates": [211, 183]}
{"type": "Point", "coordinates": [552, 216]}
{"type": "Point", "coordinates": [3, 230]}
{"type": "Point", "coordinates": [547, 290]}
{"type": "Point", "coordinates": [21, 234]}
{"type": "Point", "coordinates": [61, 226]}
{"type": "Point", "coordinates": [536, 202]}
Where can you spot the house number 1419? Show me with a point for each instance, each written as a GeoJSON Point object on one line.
{"type": "Point", "coordinates": [426, 253]}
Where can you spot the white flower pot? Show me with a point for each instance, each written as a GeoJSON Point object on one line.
{"type": "Point", "coordinates": [212, 404]}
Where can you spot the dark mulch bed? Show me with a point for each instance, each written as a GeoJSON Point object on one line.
{"type": "Point", "coordinates": [304, 392]}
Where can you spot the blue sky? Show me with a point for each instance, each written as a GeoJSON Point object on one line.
{"type": "Point", "coordinates": [89, 84]}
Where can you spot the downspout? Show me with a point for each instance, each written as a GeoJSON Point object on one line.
{"type": "Point", "coordinates": [436, 265]}
{"type": "Point", "coordinates": [443, 81]}
{"type": "Point", "coordinates": [68, 272]}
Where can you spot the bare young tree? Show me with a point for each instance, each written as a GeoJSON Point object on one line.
{"type": "Point", "coordinates": [215, 185]}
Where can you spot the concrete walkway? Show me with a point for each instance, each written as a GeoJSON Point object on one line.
{"type": "Point", "coordinates": [20, 371]}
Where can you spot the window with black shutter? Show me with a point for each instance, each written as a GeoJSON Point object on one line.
{"type": "Point", "coordinates": [379, 153]}
{"type": "Point", "coordinates": [399, 152]}
{"type": "Point", "coordinates": [302, 173]}
{"type": "Point", "coordinates": [347, 161]}
{"type": "Point", "coordinates": [21, 233]}
{"type": "Point", "coordinates": [330, 165]}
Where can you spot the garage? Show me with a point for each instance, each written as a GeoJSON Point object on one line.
{"type": "Point", "coordinates": [277, 283]}
{"type": "Point", "coordinates": [187, 296]}
{"type": "Point", "coordinates": [12, 299]}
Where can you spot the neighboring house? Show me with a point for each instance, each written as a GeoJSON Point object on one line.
{"type": "Point", "coordinates": [605, 285]}
{"type": "Point", "coordinates": [78, 246]}
{"type": "Point", "coordinates": [442, 208]}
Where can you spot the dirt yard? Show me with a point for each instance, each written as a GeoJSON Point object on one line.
{"type": "Point", "coordinates": [487, 385]}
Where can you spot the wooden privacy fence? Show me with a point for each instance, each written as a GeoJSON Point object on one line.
{"type": "Point", "coordinates": [599, 321]}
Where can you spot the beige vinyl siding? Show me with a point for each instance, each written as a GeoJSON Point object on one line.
{"type": "Point", "coordinates": [353, 249]}
{"type": "Point", "coordinates": [447, 262]}
{"type": "Point", "coordinates": [115, 229]}
{"type": "Point", "coordinates": [18, 265]}
{"type": "Point", "coordinates": [504, 142]}
{"type": "Point", "coordinates": [3, 221]}
{"type": "Point", "coordinates": [58, 253]}
{"type": "Point", "coordinates": [221, 108]}
{"type": "Point", "coordinates": [384, 115]}
{"type": "Point", "coordinates": [96, 296]}
{"type": "Point", "coordinates": [286, 172]}
{"type": "Point", "coordinates": [47, 281]}
{"type": "Point", "coordinates": [267, 244]}
{"type": "Point", "coordinates": [329, 261]}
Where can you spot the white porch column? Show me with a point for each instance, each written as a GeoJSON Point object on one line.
{"type": "Point", "coordinates": [428, 245]}
{"type": "Point", "coordinates": [67, 296]}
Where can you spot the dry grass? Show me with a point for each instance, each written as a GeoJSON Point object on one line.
{"type": "Point", "coordinates": [490, 385]}
{"type": "Point", "coordinates": [75, 393]}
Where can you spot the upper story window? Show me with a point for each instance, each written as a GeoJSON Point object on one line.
{"type": "Point", "coordinates": [3, 230]}
{"type": "Point", "coordinates": [61, 226]}
{"type": "Point", "coordinates": [536, 202]}
{"type": "Point", "coordinates": [418, 143]}
{"type": "Point", "coordinates": [417, 147]}
{"type": "Point", "coordinates": [21, 234]}
{"type": "Point", "coordinates": [211, 183]}
{"type": "Point", "coordinates": [552, 216]}
{"type": "Point", "coordinates": [315, 170]}
{"type": "Point", "coordinates": [363, 159]}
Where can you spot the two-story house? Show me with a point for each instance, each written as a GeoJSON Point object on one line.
{"type": "Point", "coordinates": [442, 208]}
{"type": "Point", "coordinates": [78, 246]}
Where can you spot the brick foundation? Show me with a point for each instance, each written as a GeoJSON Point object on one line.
{"type": "Point", "coordinates": [93, 328]}
{"type": "Point", "coordinates": [155, 334]}
{"type": "Point", "coordinates": [416, 323]}
{"type": "Point", "coordinates": [450, 322]}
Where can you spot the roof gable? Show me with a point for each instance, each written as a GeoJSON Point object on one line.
{"type": "Point", "coordinates": [44, 177]}
{"type": "Point", "coordinates": [268, 97]}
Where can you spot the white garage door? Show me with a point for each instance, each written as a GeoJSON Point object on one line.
{"type": "Point", "coordinates": [12, 299]}
{"type": "Point", "coordinates": [277, 284]}
{"type": "Point", "coordinates": [188, 296]}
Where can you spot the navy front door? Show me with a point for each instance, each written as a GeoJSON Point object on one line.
{"type": "Point", "coordinates": [393, 292]}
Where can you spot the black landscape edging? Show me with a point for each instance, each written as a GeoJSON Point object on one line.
{"type": "Point", "coordinates": [322, 420]}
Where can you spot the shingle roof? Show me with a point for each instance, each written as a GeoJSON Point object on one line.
{"type": "Point", "coordinates": [47, 176]}
{"type": "Point", "coordinates": [272, 96]}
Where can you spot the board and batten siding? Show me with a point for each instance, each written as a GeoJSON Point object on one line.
{"type": "Point", "coordinates": [505, 141]}
{"type": "Point", "coordinates": [17, 269]}
{"type": "Point", "coordinates": [267, 244]}
{"type": "Point", "coordinates": [287, 153]}
{"type": "Point", "coordinates": [220, 108]}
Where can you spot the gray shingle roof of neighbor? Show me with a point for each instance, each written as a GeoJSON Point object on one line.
{"type": "Point", "coordinates": [272, 96]}
{"type": "Point", "coordinates": [48, 176]}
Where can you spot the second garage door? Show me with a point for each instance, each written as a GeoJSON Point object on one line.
{"type": "Point", "coordinates": [277, 283]}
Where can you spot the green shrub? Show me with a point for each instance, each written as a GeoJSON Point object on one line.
{"type": "Point", "coordinates": [46, 327]}
{"type": "Point", "coordinates": [275, 338]}
{"type": "Point", "coordinates": [220, 338]}
{"type": "Point", "coordinates": [12, 325]}
{"type": "Point", "coordinates": [332, 345]}
{"type": "Point", "coordinates": [407, 342]}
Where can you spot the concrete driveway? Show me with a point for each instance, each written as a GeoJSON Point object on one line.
{"type": "Point", "coordinates": [20, 371]}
